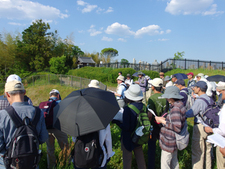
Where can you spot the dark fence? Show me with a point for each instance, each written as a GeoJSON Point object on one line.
{"type": "Point", "coordinates": [167, 65]}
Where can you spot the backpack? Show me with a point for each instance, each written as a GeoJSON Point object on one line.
{"type": "Point", "coordinates": [126, 87]}
{"type": "Point", "coordinates": [210, 115]}
{"type": "Point", "coordinates": [142, 120]}
{"type": "Point", "coordinates": [189, 102]}
{"type": "Point", "coordinates": [23, 149]}
{"type": "Point", "coordinates": [47, 107]}
{"type": "Point", "coordinates": [87, 151]}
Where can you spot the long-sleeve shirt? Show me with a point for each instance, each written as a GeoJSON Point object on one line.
{"type": "Point", "coordinates": [142, 83]}
{"type": "Point", "coordinates": [8, 129]}
{"type": "Point", "coordinates": [221, 129]}
{"type": "Point", "coordinates": [174, 123]}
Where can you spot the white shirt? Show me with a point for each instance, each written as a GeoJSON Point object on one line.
{"type": "Point", "coordinates": [120, 90]}
{"type": "Point", "coordinates": [221, 129]}
{"type": "Point", "coordinates": [129, 81]}
{"type": "Point", "coordinates": [209, 87]}
{"type": "Point", "coordinates": [169, 84]}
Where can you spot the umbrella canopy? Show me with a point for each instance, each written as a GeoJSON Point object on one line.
{"type": "Point", "coordinates": [85, 111]}
{"type": "Point", "coordinates": [216, 78]}
{"type": "Point", "coordinates": [181, 76]}
{"type": "Point", "coordinates": [136, 74]}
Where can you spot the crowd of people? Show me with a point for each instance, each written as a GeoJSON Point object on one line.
{"type": "Point", "coordinates": [170, 100]}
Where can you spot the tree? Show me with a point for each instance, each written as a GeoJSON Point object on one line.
{"type": "Point", "coordinates": [107, 54]}
{"type": "Point", "coordinates": [57, 65]}
{"type": "Point", "coordinates": [179, 55]}
{"type": "Point", "coordinates": [35, 47]}
{"type": "Point", "coordinates": [124, 62]}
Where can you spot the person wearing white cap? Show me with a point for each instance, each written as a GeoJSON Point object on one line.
{"type": "Point", "coordinates": [220, 161]}
{"type": "Point", "coordinates": [61, 137]}
{"type": "Point", "coordinates": [121, 88]}
{"type": "Point", "coordinates": [14, 92]}
{"type": "Point", "coordinates": [134, 96]}
{"type": "Point", "coordinates": [173, 122]}
{"type": "Point", "coordinates": [3, 101]}
{"type": "Point", "coordinates": [158, 105]}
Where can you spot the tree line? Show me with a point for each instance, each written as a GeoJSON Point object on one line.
{"type": "Point", "coordinates": [38, 49]}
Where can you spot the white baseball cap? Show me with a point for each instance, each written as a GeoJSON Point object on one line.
{"type": "Point", "coordinates": [54, 91]}
{"type": "Point", "coordinates": [13, 77]}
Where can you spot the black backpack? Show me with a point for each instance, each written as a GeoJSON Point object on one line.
{"type": "Point", "coordinates": [23, 152]}
{"type": "Point", "coordinates": [87, 151]}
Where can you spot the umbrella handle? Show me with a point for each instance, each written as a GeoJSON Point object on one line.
{"type": "Point", "coordinates": [78, 129]}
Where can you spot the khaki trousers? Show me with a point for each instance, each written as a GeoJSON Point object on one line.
{"type": "Point", "coordinates": [148, 94]}
{"type": "Point", "coordinates": [201, 149]}
{"type": "Point", "coordinates": [169, 160]}
{"type": "Point", "coordinates": [220, 160]}
{"type": "Point", "coordinates": [62, 140]}
{"type": "Point", "coordinates": [127, 157]}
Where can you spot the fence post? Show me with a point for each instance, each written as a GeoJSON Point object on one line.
{"type": "Point", "coordinates": [198, 64]}
{"type": "Point", "coordinates": [209, 63]}
{"type": "Point", "coordinates": [185, 64]}
{"type": "Point", "coordinates": [80, 82]}
{"type": "Point", "coordinates": [71, 81]}
{"type": "Point", "coordinates": [222, 65]}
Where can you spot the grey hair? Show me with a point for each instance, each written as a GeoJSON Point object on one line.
{"type": "Point", "coordinates": [16, 92]}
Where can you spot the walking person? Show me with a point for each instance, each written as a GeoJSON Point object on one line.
{"type": "Point", "coordinates": [14, 92]}
{"type": "Point", "coordinates": [174, 122]}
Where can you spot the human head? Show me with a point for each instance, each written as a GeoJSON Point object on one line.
{"type": "Point", "coordinates": [140, 74]}
{"type": "Point", "coordinates": [120, 73]}
{"type": "Point", "coordinates": [172, 93]}
{"type": "Point", "coordinates": [200, 76]}
{"type": "Point", "coordinates": [200, 87]}
{"type": "Point", "coordinates": [180, 83]}
{"type": "Point", "coordinates": [220, 87]}
{"type": "Point", "coordinates": [134, 93]}
{"type": "Point", "coordinates": [167, 78]}
{"type": "Point", "coordinates": [54, 93]}
{"type": "Point", "coordinates": [190, 75]}
{"type": "Point", "coordinates": [157, 84]}
{"type": "Point", "coordinates": [14, 91]}
{"type": "Point", "coordinates": [161, 75]}
{"type": "Point", "coordinates": [94, 83]}
{"type": "Point", "coordinates": [174, 78]}
{"type": "Point", "coordinates": [128, 76]}
{"type": "Point", "coordinates": [120, 79]}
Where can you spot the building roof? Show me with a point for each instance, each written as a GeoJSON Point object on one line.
{"type": "Point", "coordinates": [85, 60]}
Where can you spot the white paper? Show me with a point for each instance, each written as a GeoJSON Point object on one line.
{"type": "Point", "coordinates": [119, 115]}
{"type": "Point", "coordinates": [150, 110]}
{"type": "Point", "coordinates": [217, 140]}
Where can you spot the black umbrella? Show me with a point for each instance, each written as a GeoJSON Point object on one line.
{"type": "Point", "coordinates": [216, 78]}
{"type": "Point", "coordinates": [136, 74]}
{"type": "Point", "coordinates": [85, 111]}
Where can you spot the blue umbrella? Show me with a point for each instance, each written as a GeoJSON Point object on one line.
{"type": "Point", "coordinates": [181, 76]}
{"type": "Point", "coordinates": [136, 74]}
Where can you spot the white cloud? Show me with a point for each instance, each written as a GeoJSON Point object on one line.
{"type": "Point", "coordinates": [104, 38]}
{"type": "Point", "coordinates": [24, 9]}
{"type": "Point", "coordinates": [81, 31]}
{"type": "Point", "coordinates": [124, 30]}
{"type": "Point", "coordinates": [93, 32]}
{"type": "Point", "coordinates": [187, 7]}
{"type": "Point", "coordinates": [14, 23]}
{"type": "Point", "coordinates": [163, 39]}
{"type": "Point", "coordinates": [122, 40]}
{"type": "Point", "coordinates": [89, 8]}
{"type": "Point", "coordinates": [110, 9]}
{"type": "Point", "coordinates": [119, 29]}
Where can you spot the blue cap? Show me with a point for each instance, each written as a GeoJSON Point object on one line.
{"type": "Point", "coordinates": [201, 84]}
{"type": "Point", "coordinates": [180, 82]}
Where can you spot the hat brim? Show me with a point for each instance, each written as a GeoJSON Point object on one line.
{"type": "Point", "coordinates": [130, 97]}
{"type": "Point", "coordinates": [172, 96]}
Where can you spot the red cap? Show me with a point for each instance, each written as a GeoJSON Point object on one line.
{"type": "Point", "coordinates": [191, 74]}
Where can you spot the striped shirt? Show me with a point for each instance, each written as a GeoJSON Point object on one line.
{"type": "Point", "coordinates": [174, 123]}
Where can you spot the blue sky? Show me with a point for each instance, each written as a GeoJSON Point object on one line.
{"type": "Point", "coordinates": [146, 30]}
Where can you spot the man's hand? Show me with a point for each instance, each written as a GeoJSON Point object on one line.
{"type": "Point", "coordinates": [208, 130]}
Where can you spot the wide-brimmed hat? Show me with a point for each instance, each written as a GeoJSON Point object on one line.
{"type": "Point", "coordinates": [54, 91]}
{"type": "Point", "coordinates": [167, 78]}
{"type": "Point", "coordinates": [140, 73]}
{"type": "Point", "coordinates": [180, 82]}
{"type": "Point", "coordinates": [128, 75]}
{"type": "Point", "coordinates": [172, 92]}
{"type": "Point", "coordinates": [220, 86]}
{"type": "Point", "coordinates": [94, 83]}
{"type": "Point", "coordinates": [14, 85]}
{"type": "Point", "coordinates": [120, 77]}
{"type": "Point", "coordinates": [134, 92]}
{"type": "Point", "coordinates": [200, 75]}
